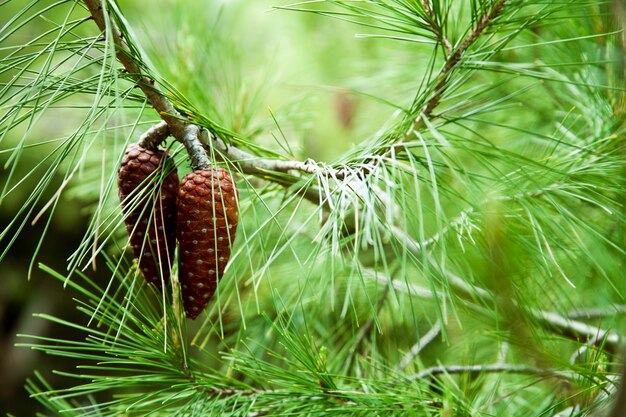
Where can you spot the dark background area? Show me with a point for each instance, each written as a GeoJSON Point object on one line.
{"type": "Point", "coordinates": [21, 299]}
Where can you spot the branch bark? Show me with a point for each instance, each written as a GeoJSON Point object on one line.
{"type": "Point", "coordinates": [154, 136]}
{"type": "Point", "coordinates": [597, 313]}
{"type": "Point", "coordinates": [436, 29]}
{"type": "Point", "coordinates": [454, 58]}
{"type": "Point", "coordinates": [181, 129]}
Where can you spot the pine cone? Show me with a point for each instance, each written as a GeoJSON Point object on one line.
{"type": "Point", "coordinates": [150, 209]}
{"type": "Point", "coordinates": [206, 226]}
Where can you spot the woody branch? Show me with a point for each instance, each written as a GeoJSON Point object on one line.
{"type": "Point", "coordinates": [455, 56]}
{"type": "Point", "coordinates": [195, 138]}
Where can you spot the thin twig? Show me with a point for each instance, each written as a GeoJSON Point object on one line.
{"type": "Point", "coordinates": [597, 313]}
{"type": "Point", "coordinates": [418, 118]}
{"type": "Point", "coordinates": [578, 331]}
{"type": "Point", "coordinates": [188, 133]}
{"type": "Point", "coordinates": [571, 329]}
{"type": "Point", "coordinates": [411, 289]}
{"type": "Point", "coordinates": [496, 368]}
{"type": "Point", "coordinates": [454, 58]}
{"type": "Point", "coordinates": [421, 344]}
{"type": "Point", "coordinates": [154, 136]}
{"type": "Point", "coordinates": [553, 322]}
{"type": "Point", "coordinates": [415, 247]}
{"type": "Point", "coordinates": [438, 31]}
{"type": "Point", "coordinates": [251, 164]}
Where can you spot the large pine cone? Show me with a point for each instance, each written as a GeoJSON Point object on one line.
{"type": "Point", "coordinates": [206, 226]}
{"type": "Point", "coordinates": [148, 188]}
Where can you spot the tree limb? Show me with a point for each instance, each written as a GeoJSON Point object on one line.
{"type": "Point", "coordinates": [454, 58]}
{"type": "Point", "coordinates": [577, 330]}
{"type": "Point", "coordinates": [196, 139]}
{"type": "Point", "coordinates": [550, 321]}
{"type": "Point", "coordinates": [476, 370]}
{"type": "Point", "coordinates": [597, 313]}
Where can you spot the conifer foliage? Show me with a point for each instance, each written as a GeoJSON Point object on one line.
{"type": "Point", "coordinates": [455, 248]}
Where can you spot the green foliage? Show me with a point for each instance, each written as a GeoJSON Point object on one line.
{"type": "Point", "coordinates": [469, 169]}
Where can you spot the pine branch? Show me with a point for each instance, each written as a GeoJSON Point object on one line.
{"type": "Point", "coordinates": [550, 321]}
{"type": "Point", "coordinates": [454, 59]}
{"type": "Point", "coordinates": [424, 341]}
{"type": "Point", "coordinates": [435, 28]}
{"type": "Point", "coordinates": [576, 330]}
{"type": "Point", "coordinates": [260, 167]}
{"type": "Point", "coordinates": [147, 85]}
{"type": "Point", "coordinates": [568, 328]}
{"type": "Point", "coordinates": [195, 138]}
{"type": "Point", "coordinates": [598, 312]}
{"type": "Point", "coordinates": [497, 368]}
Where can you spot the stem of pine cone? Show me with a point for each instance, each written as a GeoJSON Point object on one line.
{"type": "Point", "coordinates": [154, 136]}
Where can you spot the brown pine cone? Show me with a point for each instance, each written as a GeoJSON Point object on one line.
{"type": "Point", "coordinates": [150, 209]}
{"type": "Point", "coordinates": [206, 226]}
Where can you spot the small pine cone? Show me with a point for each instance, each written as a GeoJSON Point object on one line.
{"type": "Point", "coordinates": [206, 227]}
{"type": "Point", "coordinates": [153, 214]}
